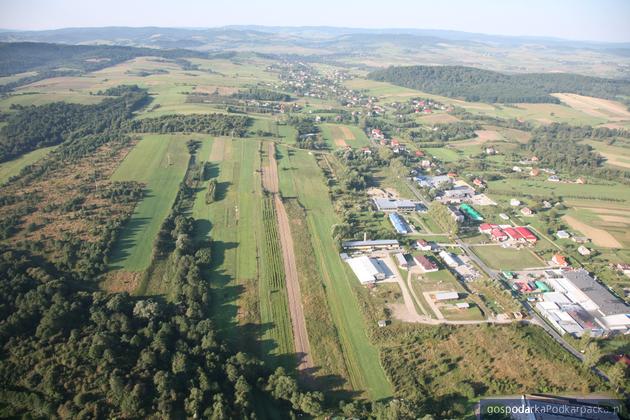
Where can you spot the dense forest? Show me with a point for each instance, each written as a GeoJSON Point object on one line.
{"type": "Point", "coordinates": [74, 353]}
{"type": "Point", "coordinates": [39, 126]}
{"type": "Point", "coordinates": [215, 124]}
{"type": "Point", "coordinates": [20, 57]}
{"type": "Point", "coordinates": [478, 85]}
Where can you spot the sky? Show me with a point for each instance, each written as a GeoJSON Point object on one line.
{"type": "Point", "coordinates": [594, 20]}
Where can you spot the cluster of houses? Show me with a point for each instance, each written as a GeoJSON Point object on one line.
{"type": "Point", "coordinates": [395, 145]}
{"type": "Point", "coordinates": [574, 302]}
{"type": "Point", "coordinates": [508, 234]}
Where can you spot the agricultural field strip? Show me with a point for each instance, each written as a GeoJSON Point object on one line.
{"type": "Point", "coordinates": [300, 334]}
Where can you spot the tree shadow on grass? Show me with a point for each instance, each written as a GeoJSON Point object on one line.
{"type": "Point", "coordinates": [126, 241]}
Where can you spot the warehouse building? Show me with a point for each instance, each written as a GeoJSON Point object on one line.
{"type": "Point", "coordinates": [390, 204]}
{"type": "Point", "coordinates": [425, 264]}
{"type": "Point", "coordinates": [365, 269]}
{"type": "Point", "coordinates": [399, 223]}
{"type": "Point", "coordinates": [370, 245]}
{"type": "Point", "coordinates": [580, 303]}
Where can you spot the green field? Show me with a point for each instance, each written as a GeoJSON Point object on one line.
{"type": "Point", "coordinates": [159, 162]}
{"type": "Point", "coordinates": [518, 187]}
{"type": "Point", "coordinates": [501, 258]}
{"type": "Point", "coordinates": [233, 221]}
{"type": "Point", "coordinates": [13, 167]}
{"type": "Point", "coordinates": [362, 358]}
{"type": "Point", "coordinates": [349, 134]}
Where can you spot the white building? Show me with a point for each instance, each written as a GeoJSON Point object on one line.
{"type": "Point", "coordinates": [365, 269]}
{"type": "Point", "coordinates": [439, 296]}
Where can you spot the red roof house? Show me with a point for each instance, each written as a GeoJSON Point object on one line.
{"type": "Point", "coordinates": [513, 234]}
{"type": "Point", "coordinates": [559, 260]}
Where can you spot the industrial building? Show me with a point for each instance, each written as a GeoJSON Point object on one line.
{"type": "Point", "coordinates": [433, 181]}
{"type": "Point", "coordinates": [440, 296]}
{"type": "Point", "coordinates": [469, 211]}
{"type": "Point", "coordinates": [455, 214]}
{"type": "Point", "coordinates": [399, 223]}
{"type": "Point", "coordinates": [390, 204]}
{"type": "Point", "coordinates": [370, 245]}
{"type": "Point", "coordinates": [365, 269]}
{"type": "Point", "coordinates": [401, 260]}
{"type": "Point", "coordinates": [425, 264]}
{"type": "Point", "coordinates": [450, 259]}
{"type": "Point", "coordinates": [579, 303]}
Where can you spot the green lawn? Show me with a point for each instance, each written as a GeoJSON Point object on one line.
{"type": "Point", "coordinates": [501, 258]}
{"type": "Point", "coordinates": [362, 358]}
{"type": "Point", "coordinates": [158, 161]}
{"type": "Point", "coordinates": [355, 139]}
{"type": "Point", "coordinates": [13, 167]}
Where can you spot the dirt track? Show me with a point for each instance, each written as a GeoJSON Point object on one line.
{"type": "Point", "coordinates": [300, 335]}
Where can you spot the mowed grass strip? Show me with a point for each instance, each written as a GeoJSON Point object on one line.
{"type": "Point", "coordinates": [13, 167]}
{"type": "Point", "coordinates": [160, 162]}
{"type": "Point", "coordinates": [361, 357]}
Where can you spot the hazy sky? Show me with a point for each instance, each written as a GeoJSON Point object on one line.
{"type": "Point", "coordinates": [599, 20]}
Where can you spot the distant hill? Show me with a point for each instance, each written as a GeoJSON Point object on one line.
{"type": "Point", "coordinates": [19, 57]}
{"type": "Point", "coordinates": [477, 85]}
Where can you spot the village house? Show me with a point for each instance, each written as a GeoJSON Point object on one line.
{"type": "Point", "coordinates": [526, 211]}
{"type": "Point", "coordinates": [584, 250]}
{"type": "Point", "coordinates": [559, 260]}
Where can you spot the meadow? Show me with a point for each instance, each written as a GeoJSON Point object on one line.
{"type": "Point", "coordinates": [501, 258]}
{"type": "Point", "coordinates": [159, 162]}
{"type": "Point", "coordinates": [13, 167]}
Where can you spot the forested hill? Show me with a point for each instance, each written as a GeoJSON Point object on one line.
{"type": "Point", "coordinates": [478, 85]}
{"type": "Point", "coordinates": [20, 57]}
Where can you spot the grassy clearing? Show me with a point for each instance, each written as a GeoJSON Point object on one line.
{"type": "Point", "coordinates": [340, 135]}
{"type": "Point", "coordinates": [501, 258]}
{"type": "Point", "coordinates": [362, 359]}
{"type": "Point", "coordinates": [13, 167]}
{"type": "Point", "coordinates": [277, 335]}
{"type": "Point", "coordinates": [158, 161]}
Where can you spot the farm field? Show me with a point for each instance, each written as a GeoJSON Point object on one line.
{"type": "Point", "coordinates": [607, 227]}
{"type": "Point", "coordinates": [613, 192]}
{"type": "Point", "coordinates": [361, 356]}
{"type": "Point", "coordinates": [596, 107]}
{"type": "Point", "coordinates": [158, 161]}
{"type": "Point", "coordinates": [501, 258]}
{"type": "Point", "coordinates": [13, 167]}
{"type": "Point", "coordinates": [615, 156]}
{"type": "Point", "coordinates": [338, 135]}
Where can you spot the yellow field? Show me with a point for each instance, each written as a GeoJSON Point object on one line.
{"type": "Point", "coordinates": [596, 107]}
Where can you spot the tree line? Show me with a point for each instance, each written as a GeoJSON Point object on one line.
{"type": "Point", "coordinates": [215, 124]}
{"type": "Point", "coordinates": [477, 85]}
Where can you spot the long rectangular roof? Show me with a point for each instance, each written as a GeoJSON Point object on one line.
{"type": "Point", "coordinates": [377, 242]}
{"type": "Point", "coordinates": [363, 267]}
{"type": "Point", "coordinates": [608, 303]}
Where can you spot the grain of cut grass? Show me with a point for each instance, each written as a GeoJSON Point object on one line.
{"type": "Point", "coordinates": [13, 167]}
{"type": "Point", "coordinates": [361, 356]}
{"type": "Point", "coordinates": [160, 162]}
